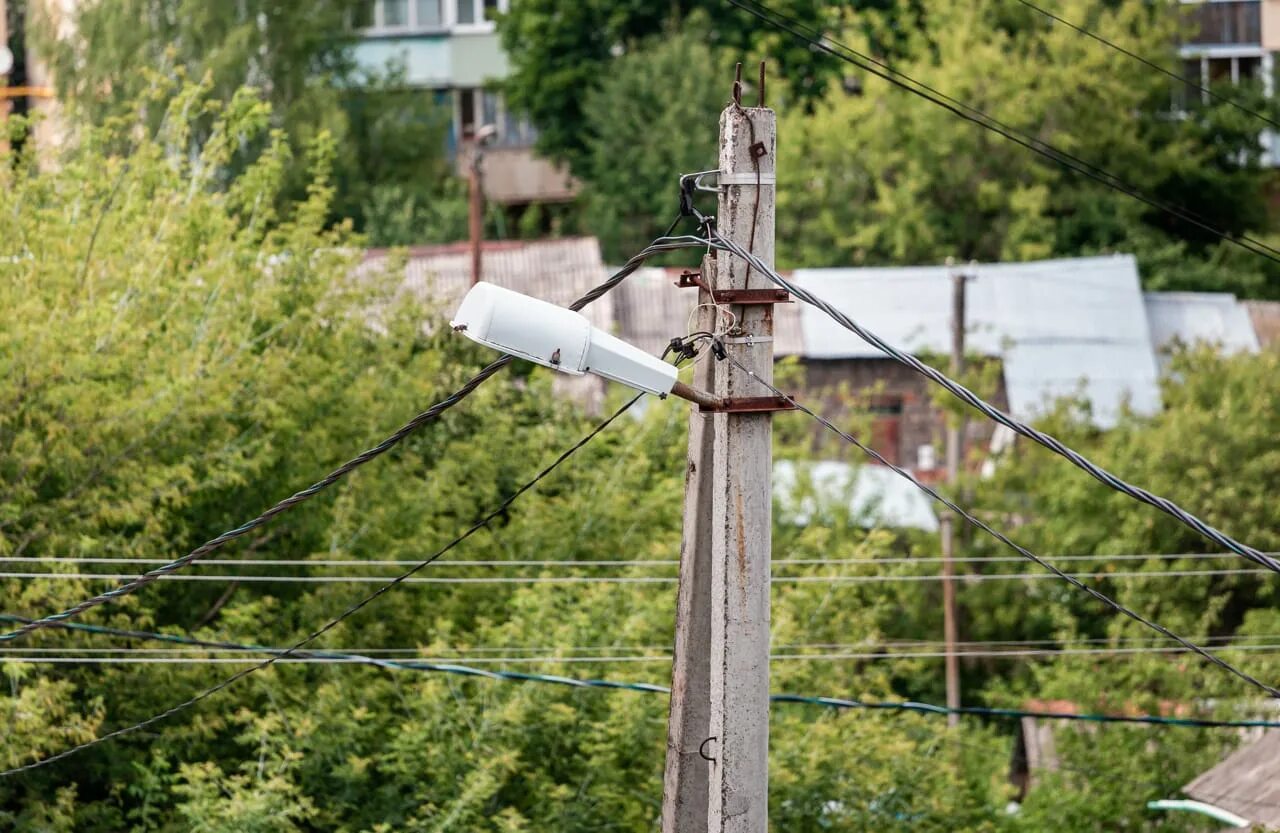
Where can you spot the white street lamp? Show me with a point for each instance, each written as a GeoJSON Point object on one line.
{"type": "Point", "coordinates": [563, 340]}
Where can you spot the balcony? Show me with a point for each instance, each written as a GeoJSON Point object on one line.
{"type": "Point", "coordinates": [1234, 23]}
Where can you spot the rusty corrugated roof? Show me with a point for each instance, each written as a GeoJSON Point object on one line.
{"type": "Point", "coordinates": [559, 271]}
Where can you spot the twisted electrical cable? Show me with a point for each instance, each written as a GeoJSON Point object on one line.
{"type": "Point", "coordinates": [662, 244]}
{"type": "Point", "coordinates": [991, 412]}
{"type": "Point", "coordinates": [334, 622]}
{"type": "Point", "coordinates": [1004, 539]}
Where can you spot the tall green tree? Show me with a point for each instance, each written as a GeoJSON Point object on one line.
{"type": "Point", "coordinates": [654, 117]}
{"type": "Point", "coordinates": [880, 176]}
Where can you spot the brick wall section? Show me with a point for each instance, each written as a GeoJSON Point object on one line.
{"type": "Point", "coordinates": [882, 381]}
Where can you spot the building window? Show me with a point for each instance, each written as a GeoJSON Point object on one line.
{"type": "Point", "coordinates": [379, 16]}
{"type": "Point", "coordinates": [479, 13]}
{"type": "Point", "coordinates": [886, 426]}
{"type": "Point", "coordinates": [467, 113]}
{"type": "Point", "coordinates": [395, 13]}
{"type": "Point", "coordinates": [430, 13]}
{"type": "Point", "coordinates": [478, 107]}
{"type": "Point", "coordinates": [362, 15]}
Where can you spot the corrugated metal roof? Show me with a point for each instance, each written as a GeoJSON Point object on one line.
{"type": "Point", "coordinates": [1189, 318]}
{"type": "Point", "coordinates": [873, 495]}
{"type": "Point", "coordinates": [651, 311]}
{"type": "Point", "coordinates": [1247, 783]}
{"type": "Point", "coordinates": [1061, 326]}
{"type": "Point", "coordinates": [559, 271]}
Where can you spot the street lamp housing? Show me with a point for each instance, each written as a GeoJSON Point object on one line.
{"type": "Point", "coordinates": [558, 338]}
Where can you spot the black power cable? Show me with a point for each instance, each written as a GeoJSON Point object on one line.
{"type": "Point", "coordinates": [1152, 64]}
{"type": "Point", "coordinates": [662, 244]}
{"type": "Point", "coordinates": [991, 412]}
{"type": "Point", "coordinates": [332, 623]}
{"type": "Point", "coordinates": [824, 43]}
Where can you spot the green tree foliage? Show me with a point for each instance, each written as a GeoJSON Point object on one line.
{"type": "Point", "coordinates": [391, 140]}
{"type": "Point", "coordinates": [559, 53]}
{"type": "Point", "coordinates": [653, 117]}
{"type": "Point", "coordinates": [182, 346]}
{"type": "Point", "coordinates": [881, 176]}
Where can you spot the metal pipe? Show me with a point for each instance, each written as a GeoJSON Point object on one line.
{"type": "Point", "coordinates": [697, 397]}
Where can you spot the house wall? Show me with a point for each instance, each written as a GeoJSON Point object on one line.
{"type": "Point", "coordinates": [885, 386]}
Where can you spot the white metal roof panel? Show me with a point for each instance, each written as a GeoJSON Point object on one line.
{"type": "Point", "coordinates": [875, 496]}
{"type": "Point", "coordinates": [1061, 326]}
{"type": "Point", "coordinates": [1190, 318]}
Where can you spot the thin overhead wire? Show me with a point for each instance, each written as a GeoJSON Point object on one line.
{"type": "Point", "coordinates": [576, 565]}
{"type": "Point", "coordinates": [991, 412]}
{"type": "Point", "coordinates": [661, 245]}
{"type": "Point", "coordinates": [974, 578]}
{"type": "Point", "coordinates": [1149, 63]}
{"type": "Point", "coordinates": [289, 652]}
{"type": "Point", "coordinates": [831, 702]}
{"type": "Point", "coordinates": [824, 43]}
{"type": "Point", "coordinates": [1004, 539]}
{"type": "Point", "coordinates": [143, 657]}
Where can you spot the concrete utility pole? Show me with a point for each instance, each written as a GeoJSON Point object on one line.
{"type": "Point", "coordinates": [716, 777]}
{"type": "Point", "coordinates": [955, 453]}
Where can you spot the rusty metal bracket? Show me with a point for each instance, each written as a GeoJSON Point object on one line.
{"type": "Point", "coordinates": [690, 280]}
{"type": "Point", "coordinates": [744, 297]}
{"type": "Point", "coordinates": [750, 405]}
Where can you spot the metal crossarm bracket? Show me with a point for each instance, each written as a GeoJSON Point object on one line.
{"type": "Point", "coordinates": [745, 297]}
{"type": "Point", "coordinates": [750, 405]}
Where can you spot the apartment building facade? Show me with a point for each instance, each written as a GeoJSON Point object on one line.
{"type": "Point", "coordinates": [450, 49]}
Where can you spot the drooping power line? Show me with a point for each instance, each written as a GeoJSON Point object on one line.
{"type": "Point", "coordinates": [831, 702]}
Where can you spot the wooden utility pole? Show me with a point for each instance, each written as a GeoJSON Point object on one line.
{"type": "Point", "coordinates": [717, 774]}
{"type": "Point", "coordinates": [955, 453]}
